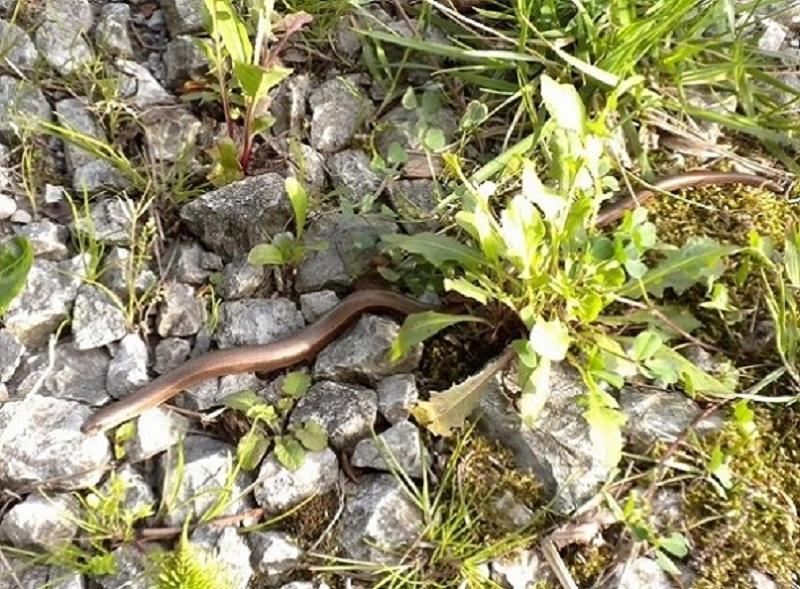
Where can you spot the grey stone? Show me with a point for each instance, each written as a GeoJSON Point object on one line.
{"type": "Point", "coordinates": [186, 263]}
{"type": "Point", "coordinates": [415, 201]}
{"type": "Point", "coordinates": [127, 370]}
{"type": "Point", "coordinates": [60, 37]}
{"type": "Point", "coordinates": [48, 239]}
{"type": "Point", "coordinates": [35, 576]}
{"type": "Point", "coordinates": [183, 61]}
{"type": "Point", "coordinates": [184, 16]}
{"type": "Point", "coordinates": [241, 280]}
{"type": "Point", "coordinates": [21, 104]}
{"type": "Point", "coordinates": [520, 569]}
{"type": "Point", "coordinates": [660, 416]}
{"type": "Point", "coordinates": [279, 488]}
{"type": "Point", "coordinates": [400, 446]}
{"type": "Point", "coordinates": [397, 394]}
{"type": "Point", "coordinates": [229, 548]}
{"type": "Point", "coordinates": [273, 553]}
{"type": "Point", "coordinates": [139, 87]}
{"type": "Point", "coordinates": [170, 353]}
{"type": "Point", "coordinates": [119, 272]}
{"type": "Point", "coordinates": [8, 206]}
{"type": "Point", "coordinates": [96, 175]}
{"type": "Point", "coordinates": [314, 305]}
{"type": "Point", "coordinates": [181, 313]}
{"type": "Point", "coordinates": [205, 474]}
{"type": "Point", "coordinates": [360, 355]}
{"type": "Point", "coordinates": [351, 243]}
{"type": "Point", "coordinates": [380, 521]}
{"type": "Point", "coordinates": [761, 581]}
{"type": "Point", "coordinates": [157, 430]}
{"type": "Point", "coordinates": [308, 166]}
{"type": "Point", "coordinates": [41, 521]}
{"type": "Point", "coordinates": [202, 396]}
{"type": "Point", "coordinates": [44, 302]}
{"type": "Point", "coordinates": [76, 375]}
{"type": "Point", "coordinates": [171, 132]}
{"type": "Point", "coordinates": [97, 320]}
{"type": "Point", "coordinates": [16, 47]}
{"type": "Point", "coordinates": [74, 114]}
{"type": "Point", "coordinates": [212, 392]}
{"type": "Point", "coordinates": [111, 32]}
{"type": "Point", "coordinates": [352, 176]}
{"type": "Point", "coordinates": [257, 321]}
{"type": "Point", "coordinates": [11, 350]}
{"type": "Point", "coordinates": [773, 37]}
{"type": "Point", "coordinates": [236, 383]}
{"type": "Point", "coordinates": [638, 573]}
{"type": "Point", "coordinates": [130, 570]}
{"type": "Point", "coordinates": [339, 109]}
{"type": "Point", "coordinates": [139, 497]}
{"type": "Point", "coordinates": [111, 220]}
{"type": "Point", "coordinates": [401, 126]}
{"type": "Point", "coordinates": [21, 216]}
{"type": "Point", "coordinates": [55, 453]}
{"type": "Point", "coordinates": [234, 218]}
{"type": "Point", "coordinates": [346, 412]}
{"type": "Point", "coordinates": [345, 40]}
{"type": "Point", "coordinates": [289, 105]}
{"type": "Point", "coordinates": [558, 449]}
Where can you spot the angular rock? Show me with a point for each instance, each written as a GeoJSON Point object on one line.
{"type": "Point", "coordinates": [97, 320]}
{"type": "Point", "coordinates": [157, 430]}
{"type": "Point", "coordinates": [41, 522]}
{"type": "Point", "coordinates": [139, 497]}
{"type": "Point", "coordinates": [233, 219]}
{"type": "Point", "coordinates": [48, 239]}
{"type": "Point", "coordinates": [761, 581]}
{"type": "Point", "coordinates": [521, 569]}
{"type": "Point", "coordinates": [127, 370]}
{"type": "Point", "coordinates": [379, 521]}
{"type": "Point", "coordinates": [60, 37]}
{"type": "Point", "coordinates": [170, 353]}
{"type": "Point", "coordinates": [558, 449]}
{"type": "Point", "coordinates": [415, 201]}
{"type": "Point", "coordinates": [345, 40]}
{"type": "Point", "coordinates": [11, 351]}
{"type": "Point", "coordinates": [402, 126]}
{"type": "Point", "coordinates": [352, 242]}
{"type": "Point", "coordinates": [289, 105]}
{"type": "Point", "coordinates": [184, 16]}
{"type": "Point", "coordinates": [139, 87]}
{"type": "Point", "coordinates": [273, 553]}
{"type": "Point", "coordinates": [21, 103]}
{"type": "Point", "coordinates": [130, 570]}
{"type": "Point", "coordinates": [360, 355]}
{"type": "Point", "coordinates": [183, 61]}
{"type": "Point", "coordinates": [314, 305]}
{"type": "Point", "coordinates": [641, 572]}
{"type": "Point", "coordinates": [54, 452]}
{"type": "Point", "coordinates": [28, 576]}
{"type": "Point", "coordinates": [118, 275]}
{"type": "Point", "coordinates": [339, 109]}
{"type": "Point", "coordinates": [308, 166]}
{"type": "Point", "coordinates": [16, 47]}
{"type": "Point", "coordinates": [352, 176]}
{"type": "Point", "coordinates": [399, 446]}
{"type": "Point", "coordinates": [111, 32]}
{"type": "Point", "coordinates": [228, 548]}
{"type": "Point", "coordinates": [397, 394]}
{"type": "Point", "coordinates": [257, 321]}
{"type": "Point", "coordinates": [171, 133]}
{"type": "Point", "coordinates": [346, 412]}
{"type": "Point", "coordinates": [204, 477]}
{"type": "Point", "coordinates": [773, 37]}
{"type": "Point", "coordinates": [202, 396]}
{"type": "Point", "coordinates": [110, 222]}
{"type": "Point", "coordinates": [8, 206]}
{"type": "Point", "coordinates": [279, 488]}
{"type": "Point", "coordinates": [186, 263]}
{"type": "Point", "coordinates": [181, 313]}
{"type": "Point", "coordinates": [76, 375]}
{"type": "Point", "coordinates": [236, 383]}
{"type": "Point", "coordinates": [96, 175]}
{"type": "Point", "coordinates": [661, 416]}
{"type": "Point", "coordinates": [241, 280]}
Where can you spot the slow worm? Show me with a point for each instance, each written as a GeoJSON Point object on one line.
{"type": "Point", "coordinates": [306, 343]}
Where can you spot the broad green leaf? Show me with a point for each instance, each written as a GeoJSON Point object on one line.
{"type": "Point", "coordinates": [396, 154]}
{"type": "Point", "coordinates": [257, 81]}
{"type": "Point", "coordinates": [700, 260]}
{"type": "Point", "coordinates": [550, 202]}
{"type": "Point", "coordinates": [296, 384]}
{"type": "Point", "coordinates": [447, 411]}
{"type": "Point", "coordinates": [299, 199]}
{"type": "Point", "coordinates": [645, 345]}
{"type": "Point", "coordinates": [791, 259]}
{"type": "Point", "coordinates": [535, 392]}
{"type": "Point", "coordinates": [437, 249]}
{"type": "Point", "coordinates": [431, 102]}
{"type": "Point", "coordinates": [605, 430]}
{"type": "Point", "coordinates": [612, 357]}
{"type": "Point", "coordinates": [564, 104]}
{"type": "Point", "coordinates": [550, 339]}
{"type": "Point", "coordinates": [312, 435]}
{"type": "Point", "coordinates": [418, 327]}
{"type": "Point", "coordinates": [744, 417]}
{"type": "Point", "coordinates": [228, 26]}
{"type": "Point", "coordinates": [675, 544]}
{"type": "Point", "coordinates": [16, 259]}
{"type": "Point", "coordinates": [522, 230]}
{"type": "Point", "coordinates": [251, 449]}
{"type": "Point", "coordinates": [467, 289]}
{"type": "Point", "coordinates": [266, 254]}
{"type": "Point", "coordinates": [289, 452]}
{"type": "Point", "coordinates": [666, 564]}
{"type": "Point", "coordinates": [719, 467]}
{"type": "Point", "coordinates": [434, 139]}
{"type": "Point", "coordinates": [409, 100]}
{"type": "Point", "coordinates": [227, 167]}
{"type": "Point", "coordinates": [719, 300]}
{"type": "Point", "coordinates": [243, 401]}
{"type": "Point", "coordinates": [482, 226]}
{"type": "Point", "coordinates": [474, 115]}
{"type": "Point", "coordinates": [695, 380]}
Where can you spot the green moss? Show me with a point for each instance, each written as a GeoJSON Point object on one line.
{"type": "Point", "coordinates": [308, 523]}
{"type": "Point", "coordinates": [588, 563]}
